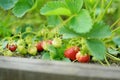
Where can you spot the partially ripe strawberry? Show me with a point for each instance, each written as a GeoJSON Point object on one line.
{"type": "Point", "coordinates": [46, 44]}
{"type": "Point", "coordinates": [71, 52]}
{"type": "Point", "coordinates": [49, 41]}
{"type": "Point", "coordinates": [83, 58]}
{"type": "Point", "coordinates": [42, 45]}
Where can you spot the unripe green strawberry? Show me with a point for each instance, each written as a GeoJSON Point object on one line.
{"type": "Point", "coordinates": [21, 42]}
{"type": "Point", "coordinates": [94, 59]}
{"type": "Point", "coordinates": [57, 42]}
{"type": "Point", "coordinates": [8, 53]}
{"type": "Point", "coordinates": [21, 49]}
{"type": "Point", "coordinates": [32, 50]}
{"type": "Point", "coordinates": [28, 29]}
{"type": "Point", "coordinates": [38, 33]}
{"type": "Point", "coordinates": [28, 39]}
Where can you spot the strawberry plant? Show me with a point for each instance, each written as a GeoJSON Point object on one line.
{"type": "Point", "coordinates": [80, 24]}
{"type": "Point", "coordinates": [66, 30]}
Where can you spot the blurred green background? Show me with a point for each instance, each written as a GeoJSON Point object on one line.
{"type": "Point", "coordinates": [9, 22]}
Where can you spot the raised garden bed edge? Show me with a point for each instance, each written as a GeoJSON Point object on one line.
{"type": "Point", "coordinates": [12, 68]}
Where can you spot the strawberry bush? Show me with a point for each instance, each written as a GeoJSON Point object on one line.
{"type": "Point", "coordinates": [85, 31]}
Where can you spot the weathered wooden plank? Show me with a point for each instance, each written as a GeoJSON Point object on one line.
{"type": "Point", "coordinates": [33, 69]}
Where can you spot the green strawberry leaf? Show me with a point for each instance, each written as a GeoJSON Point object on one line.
{"type": "Point", "coordinates": [81, 23]}
{"type": "Point", "coordinates": [22, 7]}
{"type": "Point", "coordinates": [113, 51]}
{"type": "Point", "coordinates": [46, 56]}
{"type": "Point", "coordinates": [67, 33]}
{"type": "Point", "coordinates": [116, 40]}
{"type": "Point", "coordinates": [4, 44]}
{"type": "Point", "coordinates": [74, 5]}
{"type": "Point", "coordinates": [7, 4]}
{"type": "Point", "coordinates": [55, 8]}
{"type": "Point", "coordinates": [96, 48]}
{"type": "Point", "coordinates": [66, 60]}
{"type": "Point", "coordinates": [53, 21]}
{"type": "Point", "coordinates": [99, 30]}
{"type": "Point", "coordinates": [60, 51]}
{"type": "Point", "coordinates": [52, 51]}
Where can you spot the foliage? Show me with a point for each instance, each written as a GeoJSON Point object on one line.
{"type": "Point", "coordinates": [87, 21]}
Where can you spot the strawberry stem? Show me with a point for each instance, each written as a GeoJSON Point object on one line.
{"type": "Point", "coordinates": [101, 62]}
{"type": "Point", "coordinates": [108, 64]}
{"type": "Point", "coordinates": [113, 57]}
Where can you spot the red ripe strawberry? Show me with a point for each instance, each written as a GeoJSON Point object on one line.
{"type": "Point", "coordinates": [12, 47]}
{"type": "Point", "coordinates": [83, 58]}
{"type": "Point", "coordinates": [39, 46]}
{"type": "Point", "coordinates": [71, 52]}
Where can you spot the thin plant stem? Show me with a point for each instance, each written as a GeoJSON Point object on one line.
{"type": "Point", "coordinates": [34, 33]}
{"type": "Point", "coordinates": [101, 62]}
{"type": "Point", "coordinates": [74, 60]}
{"type": "Point", "coordinates": [86, 5]}
{"type": "Point", "coordinates": [107, 61]}
{"type": "Point", "coordinates": [99, 18]}
{"type": "Point", "coordinates": [94, 10]}
{"type": "Point", "coordinates": [113, 57]}
{"type": "Point", "coordinates": [115, 23]}
{"type": "Point", "coordinates": [116, 29]}
{"type": "Point", "coordinates": [63, 23]}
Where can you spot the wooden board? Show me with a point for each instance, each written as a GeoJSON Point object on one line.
{"type": "Point", "coordinates": [33, 69]}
